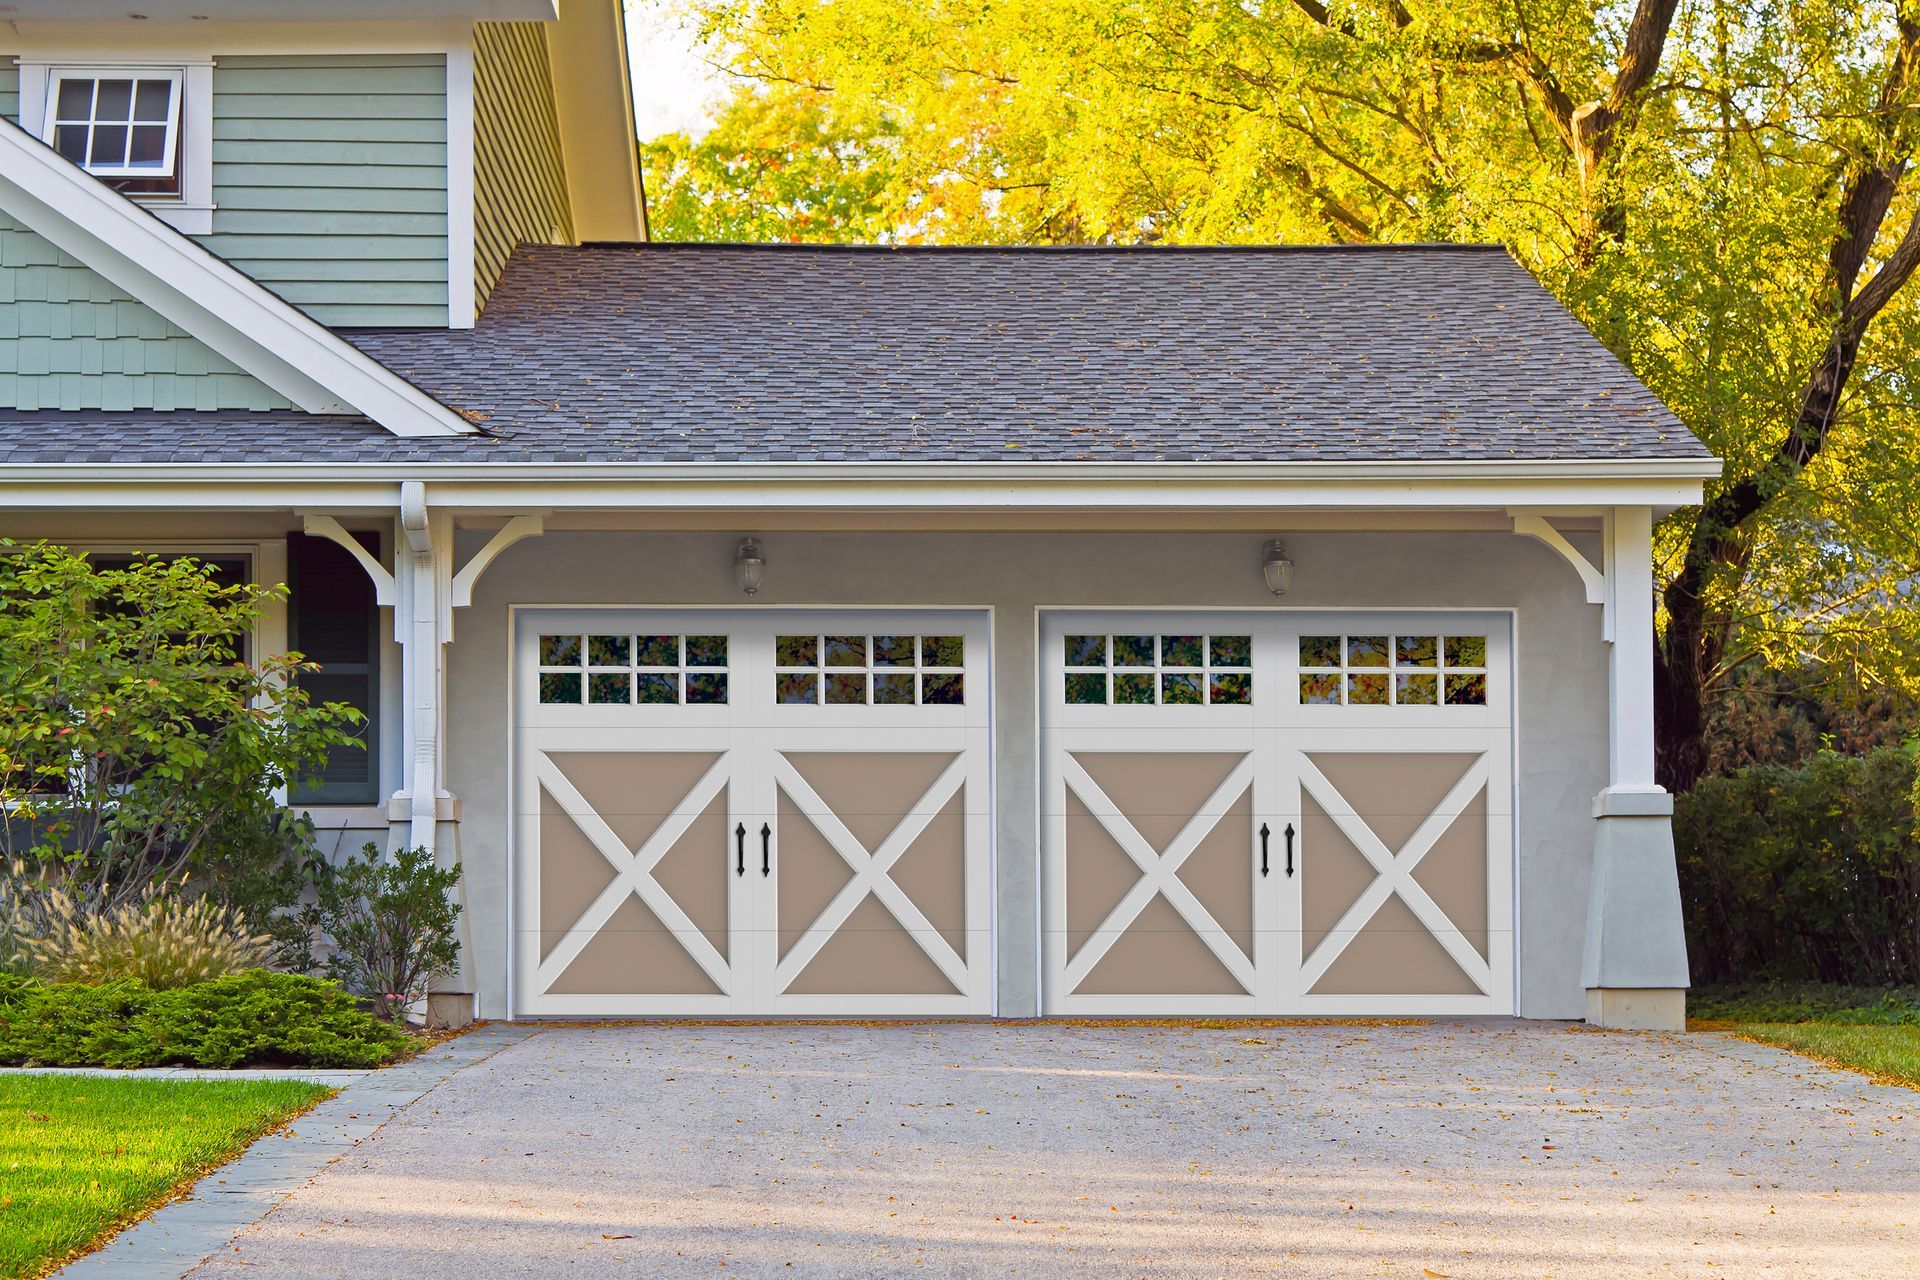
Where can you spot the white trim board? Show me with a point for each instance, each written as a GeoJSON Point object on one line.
{"type": "Point", "coordinates": [295, 355]}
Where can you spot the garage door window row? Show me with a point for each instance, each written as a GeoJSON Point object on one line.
{"type": "Point", "coordinates": [1170, 670]}
{"type": "Point", "coordinates": [876, 670]}
{"type": "Point", "coordinates": [1393, 670]}
{"type": "Point", "coordinates": [625, 669]}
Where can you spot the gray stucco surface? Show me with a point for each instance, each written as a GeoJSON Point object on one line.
{"type": "Point", "coordinates": [1496, 1149]}
{"type": "Point", "coordinates": [1561, 687]}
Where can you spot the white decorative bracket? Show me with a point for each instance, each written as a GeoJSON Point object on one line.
{"type": "Point", "coordinates": [1596, 579]}
{"type": "Point", "coordinates": [385, 591]}
{"type": "Point", "coordinates": [509, 533]}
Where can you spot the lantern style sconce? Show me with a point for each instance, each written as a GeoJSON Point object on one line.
{"type": "Point", "coordinates": [1275, 567]}
{"type": "Point", "coordinates": [749, 565]}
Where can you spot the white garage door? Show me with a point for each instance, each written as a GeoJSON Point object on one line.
{"type": "Point", "coordinates": [741, 812]}
{"type": "Point", "coordinates": [1277, 812]}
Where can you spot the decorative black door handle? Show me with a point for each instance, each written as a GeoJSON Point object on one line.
{"type": "Point", "coordinates": [1289, 848]}
{"type": "Point", "coordinates": [766, 850]}
{"type": "Point", "coordinates": [740, 848]}
{"type": "Point", "coordinates": [1264, 833]}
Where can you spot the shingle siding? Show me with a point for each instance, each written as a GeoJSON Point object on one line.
{"type": "Point", "coordinates": [330, 181]}
{"type": "Point", "coordinates": [520, 179]}
{"type": "Point", "coordinates": [71, 340]}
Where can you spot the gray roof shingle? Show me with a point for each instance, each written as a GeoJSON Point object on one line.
{"type": "Point", "coordinates": [717, 353]}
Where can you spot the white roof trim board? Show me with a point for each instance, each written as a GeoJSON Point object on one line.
{"type": "Point", "coordinates": [193, 289]}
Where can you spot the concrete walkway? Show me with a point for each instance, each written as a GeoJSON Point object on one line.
{"type": "Point", "coordinates": [180, 1235]}
{"type": "Point", "coordinates": [1490, 1149]}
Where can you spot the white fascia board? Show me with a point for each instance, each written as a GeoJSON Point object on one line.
{"type": "Point", "coordinates": [887, 487]}
{"type": "Point", "coordinates": [193, 289]}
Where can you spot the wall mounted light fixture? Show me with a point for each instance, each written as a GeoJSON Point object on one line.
{"type": "Point", "coordinates": [1275, 567]}
{"type": "Point", "coordinates": [749, 565]}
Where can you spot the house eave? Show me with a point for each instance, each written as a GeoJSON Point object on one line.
{"type": "Point", "coordinates": [899, 486]}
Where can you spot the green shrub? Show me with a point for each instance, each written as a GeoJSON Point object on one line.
{"type": "Point", "coordinates": [163, 940]}
{"type": "Point", "coordinates": [391, 921]}
{"type": "Point", "coordinates": [1809, 874]}
{"type": "Point", "coordinates": [1806, 1002]}
{"type": "Point", "coordinates": [253, 1018]}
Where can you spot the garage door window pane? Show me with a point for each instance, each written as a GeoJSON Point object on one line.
{"type": "Point", "coordinates": [1367, 690]}
{"type": "Point", "coordinates": [893, 651]}
{"type": "Point", "coordinates": [706, 686]}
{"type": "Point", "coordinates": [1180, 688]}
{"type": "Point", "coordinates": [1133, 651]}
{"type": "Point", "coordinates": [1230, 651]}
{"type": "Point", "coordinates": [1321, 688]}
{"type": "Point", "coordinates": [893, 689]}
{"type": "Point", "coordinates": [653, 687]}
{"type": "Point", "coordinates": [797, 687]}
{"type": "Point", "coordinates": [1085, 690]}
{"type": "Point", "coordinates": [843, 688]}
{"type": "Point", "coordinates": [1466, 651]}
{"type": "Point", "coordinates": [1086, 651]}
{"type": "Point", "coordinates": [1366, 651]}
{"type": "Point", "coordinates": [1180, 651]}
{"type": "Point", "coordinates": [1133, 688]}
{"type": "Point", "coordinates": [1320, 651]}
{"type": "Point", "coordinates": [942, 690]}
{"type": "Point", "coordinates": [559, 686]}
{"type": "Point", "coordinates": [1466, 690]}
{"type": "Point", "coordinates": [1416, 651]}
{"type": "Point", "coordinates": [1416, 690]}
{"type": "Point", "coordinates": [656, 651]}
{"type": "Point", "coordinates": [797, 651]}
{"type": "Point", "coordinates": [1231, 687]}
{"type": "Point", "coordinates": [846, 651]}
{"type": "Point", "coordinates": [706, 651]}
{"type": "Point", "coordinates": [559, 651]}
{"type": "Point", "coordinates": [943, 651]}
{"type": "Point", "coordinates": [608, 651]}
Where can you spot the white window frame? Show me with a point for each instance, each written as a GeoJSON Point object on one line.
{"type": "Point", "coordinates": [191, 211]}
{"type": "Point", "coordinates": [175, 80]}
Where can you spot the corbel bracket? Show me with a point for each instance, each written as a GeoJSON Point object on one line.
{"type": "Point", "coordinates": [385, 591]}
{"type": "Point", "coordinates": [509, 533]}
{"type": "Point", "coordinates": [1594, 578]}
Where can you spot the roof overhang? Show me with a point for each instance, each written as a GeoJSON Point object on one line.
{"type": "Point", "coordinates": [759, 487]}
{"type": "Point", "coordinates": [195, 290]}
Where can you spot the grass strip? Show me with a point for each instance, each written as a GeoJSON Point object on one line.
{"type": "Point", "coordinates": [82, 1156]}
{"type": "Point", "coordinates": [1888, 1053]}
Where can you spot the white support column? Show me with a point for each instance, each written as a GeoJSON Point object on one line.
{"type": "Point", "coordinates": [423, 577]}
{"type": "Point", "coordinates": [1635, 965]}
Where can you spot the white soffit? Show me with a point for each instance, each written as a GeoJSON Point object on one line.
{"type": "Point", "coordinates": [277, 343]}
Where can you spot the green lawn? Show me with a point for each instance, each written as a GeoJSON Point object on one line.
{"type": "Point", "coordinates": [81, 1156]}
{"type": "Point", "coordinates": [1870, 1029]}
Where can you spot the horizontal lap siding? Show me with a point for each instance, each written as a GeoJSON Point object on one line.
{"type": "Point", "coordinates": [330, 177]}
{"type": "Point", "coordinates": [71, 340]}
{"type": "Point", "coordinates": [520, 179]}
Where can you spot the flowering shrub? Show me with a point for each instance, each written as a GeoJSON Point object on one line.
{"type": "Point", "coordinates": [391, 921]}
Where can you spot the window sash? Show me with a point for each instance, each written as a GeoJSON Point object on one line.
{"type": "Point", "coordinates": [117, 133]}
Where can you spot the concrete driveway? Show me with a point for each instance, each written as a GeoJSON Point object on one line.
{"type": "Point", "coordinates": [1493, 1149]}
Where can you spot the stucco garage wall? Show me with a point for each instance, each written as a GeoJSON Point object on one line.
{"type": "Point", "coordinates": [1562, 679]}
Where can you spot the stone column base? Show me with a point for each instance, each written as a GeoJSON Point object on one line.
{"type": "Point", "coordinates": [448, 1010]}
{"type": "Point", "coordinates": [1638, 1008]}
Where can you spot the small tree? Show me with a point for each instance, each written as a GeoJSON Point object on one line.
{"type": "Point", "coordinates": [131, 732]}
{"type": "Point", "coordinates": [391, 922]}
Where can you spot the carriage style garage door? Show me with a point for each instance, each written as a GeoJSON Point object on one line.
{"type": "Point", "coordinates": [1278, 812]}
{"type": "Point", "coordinates": [750, 812]}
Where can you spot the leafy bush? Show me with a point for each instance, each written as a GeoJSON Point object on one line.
{"type": "Point", "coordinates": [131, 732]}
{"type": "Point", "coordinates": [254, 1018]}
{"type": "Point", "coordinates": [391, 921]}
{"type": "Point", "coordinates": [1804, 874]}
{"type": "Point", "coordinates": [163, 941]}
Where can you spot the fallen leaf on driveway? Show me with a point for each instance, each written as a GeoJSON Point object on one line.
{"type": "Point", "coordinates": [605, 1236]}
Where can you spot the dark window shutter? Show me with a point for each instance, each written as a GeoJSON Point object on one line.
{"type": "Point", "coordinates": [332, 620]}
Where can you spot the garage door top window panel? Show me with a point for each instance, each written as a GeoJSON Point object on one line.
{"type": "Point", "coordinates": [1186, 669]}
{"type": "Point", "coordinates": [627, 669]}
{"type": "Point", "coordinates": [870, 670]}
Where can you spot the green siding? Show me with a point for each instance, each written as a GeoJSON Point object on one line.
{"type": "Point", "coordinates": [519, 176]}
{"type": "Point", "coordinates": [71, 340]}
{"type": "Point", "coordinates": [330, 181]}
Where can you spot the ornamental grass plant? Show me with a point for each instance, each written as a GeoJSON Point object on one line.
{"type": "Point", "coordinates": [161, 940]}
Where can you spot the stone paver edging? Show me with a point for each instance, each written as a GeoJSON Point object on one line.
{"type": "Point", "coordinates": [181, 1235]}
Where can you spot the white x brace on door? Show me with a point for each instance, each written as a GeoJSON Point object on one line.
{"type": "Point", "coordinates": [747, 812]}
{"type": "Point", "coordinates": [1276, 812]}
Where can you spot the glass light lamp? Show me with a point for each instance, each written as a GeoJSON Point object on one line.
{"type": "Point", "coordinates": [1276, 568]}
{"type": "Point", "coordinates": [749, 566]}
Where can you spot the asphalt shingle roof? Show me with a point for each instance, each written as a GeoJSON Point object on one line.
{"type": "Point", "coordinates": [714, 353]}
